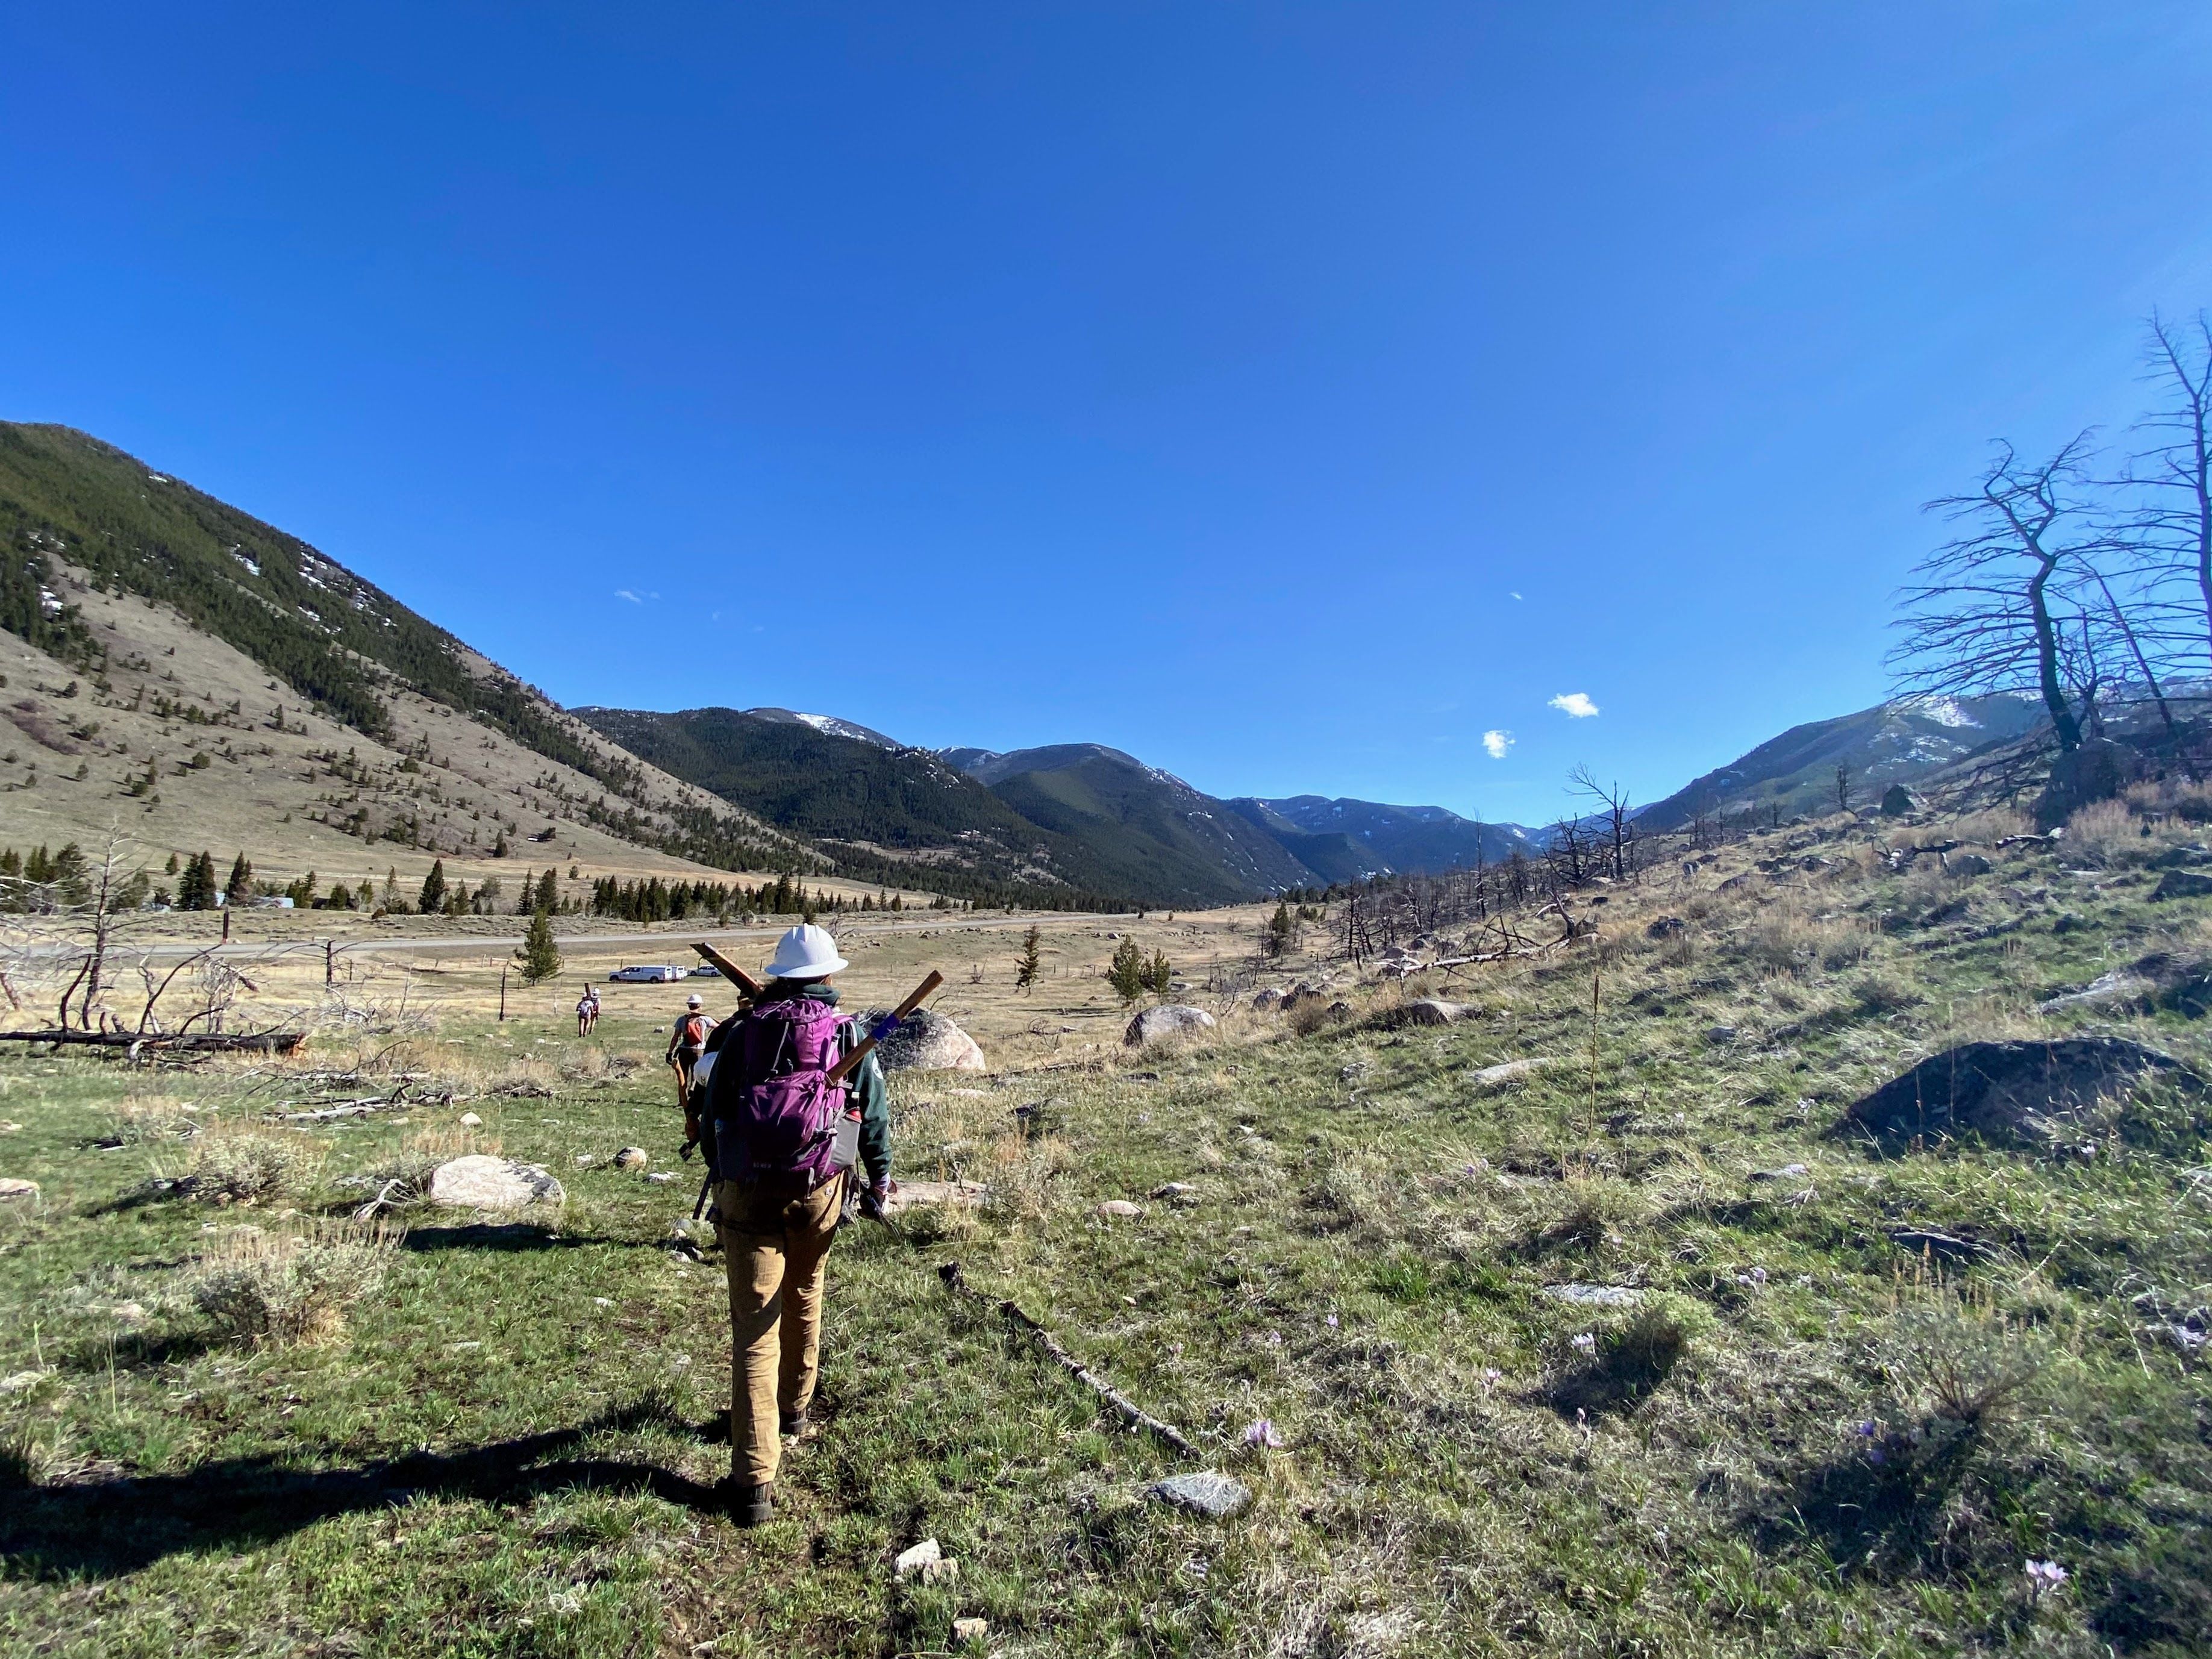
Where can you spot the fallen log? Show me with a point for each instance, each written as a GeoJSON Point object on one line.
{"type": "Point", "coordinates": [1135, 1414]}
{"type": "Point", "coordinates": [204, 1043]}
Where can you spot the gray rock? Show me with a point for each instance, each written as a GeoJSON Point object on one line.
{"type": "Point", "coordinates": [1896, 801]}
{"type": "Point", "coordinates": [2182, 883]}
{"type": "Point", "coordinates": [13, 1187]}
{"type": "Point", "coordinates": [1270, 998]}
{"type": "Point", "coordinates": [925, 1042]}
{"type": "Point", "coordinates": [483, 1182]}
{"type": "Point", "coordinates": [1512, 1071]}
{"type": "Point", "coordinates": [1214, 1495]}
{"type": "Point", "coordinates": [631, 1157]}
{"type": "Point", "coordinates": [2008, 1092]}
{"type": "Point", "coordinates": [1667, 927]}
{"type": "Point", "coordinates": [2120, 986]}
{"type": "Point", "coordinates": [1787, 1172]}
{"type": "Point", "coordinates": [1172, 1190]}
{"type": "Point", "coordinates": [1595, 1296]}
{"type": "Point", "coordinates": [1969, 864]}
{"type": "Point", "coordinates": [968, 1632]}
{"type": "Point", "coordinates": [913, 1561]}
{"type": "Point", "coordinates": [1167, 1020]}
{"type": "Point", "coordinates": [1121, 1207]}
{"type": "Point", "coordinates": [1720, 1034]}
{"type": "Point", "coordinates": [1432, 1011]}
{"type": "Point", "coordinates": [949, 1195]}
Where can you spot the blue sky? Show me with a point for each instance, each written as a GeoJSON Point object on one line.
{"type": "Point", "coordinates": [1290, 395]}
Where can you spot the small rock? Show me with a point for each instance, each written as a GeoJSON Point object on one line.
{"type": "Point", "coordinates": [1787, 1172]}
{"type": "Point", "coordinates": [952, 1194]}
{"type": "Point", "coordinates": [631, 1157]}
{"type": "Point", "coordinates": [471, 1121]}
{"type": "Point", "coordinates": [1720, 1034]}
{"type": "Point", "coordinates": [483, 1183]}
{"type": "Point", "coordinates": [12, 1188]}
{"type": "Point", "coordinates": [23, 1381]}
{"type": "Point", "coordinates": [1431, 1011]}
{"type": "Point", "coordinates": [1213, 1496]}
{"type": "Point", "coordinates": [1513, 1071]}
{"type": "Point", "coordinates": [1665, 927]}
{"type": "Point", "coordinates": [2119, 986]}
{"type": "Point", "coordinates": [1970, 864]}
{"type": "Point", "coordinates": [661, 1177]}
{"type": "Point", "coordinates": [1270, 998]}
{"type": "Point", "coordinates": [966, 1631]}
{"type": "Point", "coordinates": [131, 1313]}
{"type": "Point", "coordinates": [913, 1561]}
{"type": "Point", "coordinates": [1172, 1190]}
{"type": "Point", "coordinates": [1164, 1021]}
{"type": "Point", "coordinates": [946, 1571]}
{"type": "Point", "coordinates": [1896, 801]}
{"type": "Point", "coordinates": [1595, 1296]}
{"type": "Point", "coordinates": [1119, 1206]}
{"type": "Point", "coordinates": [585, 1160]}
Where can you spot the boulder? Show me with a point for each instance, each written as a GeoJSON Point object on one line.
{"type": "Point", "coordinates": [1667, 927]}
{"type": "Point", "coordinates": [2183, 884]}
{"type": "Point", "coordinates": [1214, 1495]}
{"type": "Point", "coordinates": [1433, 1011]}
{"type": "Point", "coordinates": [2007, 1091]}
{"type": "Point", "coordinates": [1270, 998]}
{"type": "Point", "coordinates": [925, 1042]}
{"type": "Point", "coordinates": [1167, 1019]}
{"type": "Point", "coordinates": [1720, 1035]}
{"type": "Point", "coordinates": [632, 1158]}
{"type": "Point", "coordinates": [969, 1631]}
{"type": "Point", "coordinates": [14, 1187]}
{"type": "Point", "coordinates": [913, 1561]}
{"type": "Point", "coordinates": [1969, 864]}
{"type": "Point", "coordinates": [1896, 801]}
{"type": "Point", "coordinates": [482, 1183]}
{"type": "Point", "coordinates": [1120, 1207]}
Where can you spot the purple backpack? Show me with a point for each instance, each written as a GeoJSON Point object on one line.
{"type": "Point", "coordinates": [775, 1111]}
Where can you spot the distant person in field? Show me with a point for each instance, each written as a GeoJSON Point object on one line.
{"type": "Point", "coordinates": [588, 1011]}
{"type": "Point", "coordinates": [788, 1149]}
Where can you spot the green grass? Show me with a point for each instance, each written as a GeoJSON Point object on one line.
{"type": "Point", "coordinates": [1805, 1439]}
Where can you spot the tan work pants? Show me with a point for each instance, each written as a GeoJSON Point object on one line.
{"type": "Point", "coordinates": [776, 1248]}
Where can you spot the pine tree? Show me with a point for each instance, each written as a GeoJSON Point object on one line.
{"type": "Point", "coordinates": [434, 890]}
{"type": "Point", "coordinates": [499, 844]}
{"type": "Point", "coordinates": [392, 888]}
{"type": "Point", "coordinates": [1158, 975]}
{"type": "Point", "coordinates": [549, 891]}
{"type": "Point", "coordinates": [240, 885]}
{"type": "Point", "coordinates": [1276, 941]}
{"type": "Point", "coordinates": [539, 957]}
{"type": "Point", "coordinates": [1125, 973]}
{"type": "Point", "coordinates": [1025, 969]}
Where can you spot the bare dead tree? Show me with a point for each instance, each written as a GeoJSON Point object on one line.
{"type": "Point", "coordinates": [2166, 525]}
{"type": "Point", "coordinates": [1993, 606]}
{"type": "Point", "coordinates": [1618, 827]}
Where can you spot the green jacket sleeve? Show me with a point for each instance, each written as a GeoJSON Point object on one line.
{"type": "Point", "coordinates": [874, 1098]}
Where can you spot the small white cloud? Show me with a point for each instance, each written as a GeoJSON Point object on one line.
{"type": "Point", "coordinates": [1495, 743]}
{"type": "Point", "coordinates": [625, 593]}
{"type": "Point", "coordinates": [1576, 705]}
{"type": "Point", "coordinates": [1516, 595]}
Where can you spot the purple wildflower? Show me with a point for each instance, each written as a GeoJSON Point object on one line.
{"type": "Point", "coordinates": [1263, 1433]}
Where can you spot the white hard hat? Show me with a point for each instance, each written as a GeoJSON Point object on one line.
{"type": "Point", "coordinates": [695, 1000]}
{"type": "Point", "coordinates": [806, 952]}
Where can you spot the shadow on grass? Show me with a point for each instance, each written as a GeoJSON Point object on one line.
{"type": "Point", "coordinates": [1878, 1509]}
{"type": "Point", "coordinates": [107, 1528]}
{"type": "Point", "coordinates": [512, 1236]}
{"type": "Point", "coordinates": [1628, 1366]}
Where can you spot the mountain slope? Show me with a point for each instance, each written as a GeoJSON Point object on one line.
{"type": "Point", "coordinates": [880, 811]}
{"type": "Point", "coordinates": [80, 519]}
{"type": "Point", "coordinates": [1897, 742]}
{"type": "Point", "coordinates": [1344, 840]}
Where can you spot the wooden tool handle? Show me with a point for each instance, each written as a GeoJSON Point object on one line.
{"type": "Point", "coordinates": [844, 1067]}
{"type": "Point", "coordinates": [729, 970]}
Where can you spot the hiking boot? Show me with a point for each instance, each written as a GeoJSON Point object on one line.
{"type": "Point", "coordinates": [791, 1424]}
{"type": "Point", "coordinates": [751, 1505]}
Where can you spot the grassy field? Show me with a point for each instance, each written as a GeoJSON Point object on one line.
{"type": "Point", "coordinates": [1855, 1392]}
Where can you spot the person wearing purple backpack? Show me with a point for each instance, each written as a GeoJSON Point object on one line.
{"type": "Point", "coordinates": [783, 1144]}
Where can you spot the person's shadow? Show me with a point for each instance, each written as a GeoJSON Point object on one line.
{"type": "Point", "coordinates": [105, 1529]}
